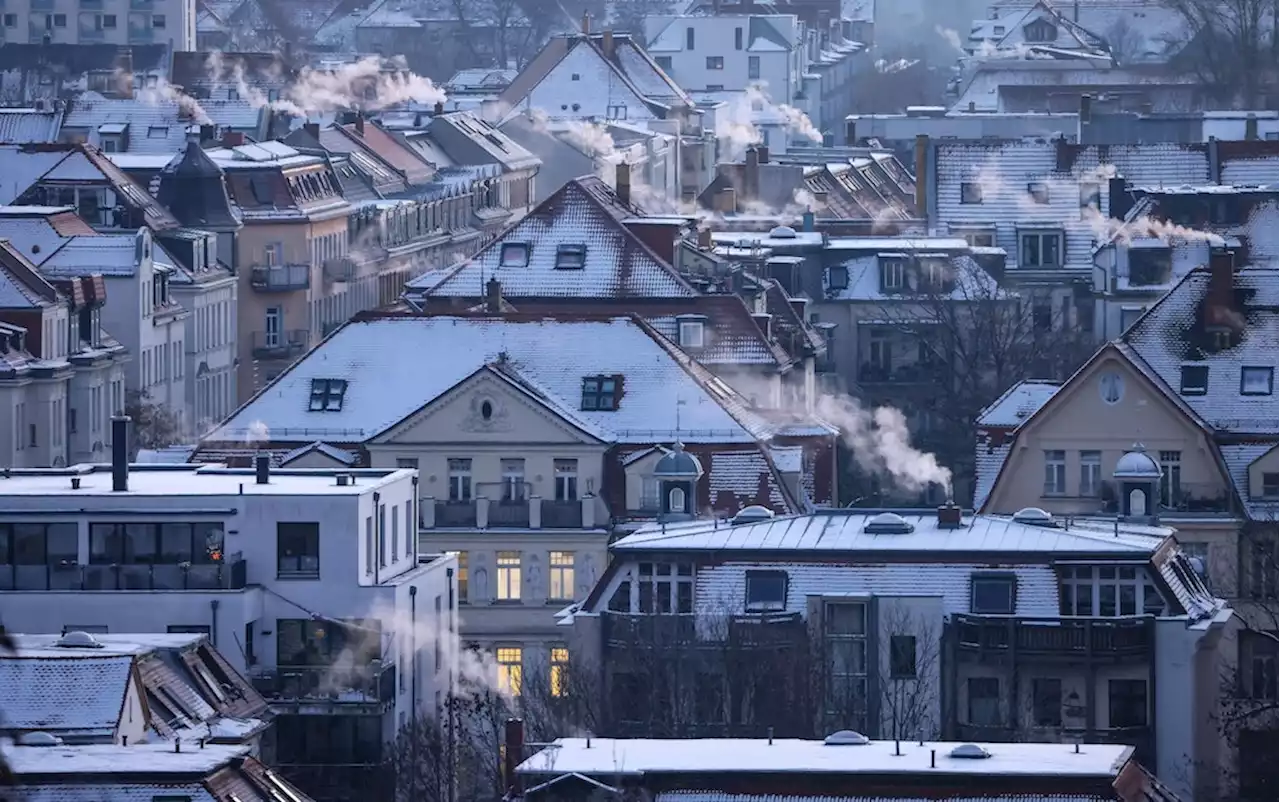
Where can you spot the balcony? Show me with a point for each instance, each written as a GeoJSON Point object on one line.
{"type": "Point", "coordinates": [916, 373]}
{"type": "Point", "coordinates": [91, 5]}
{"type": "Point", "coordinates": [1054, 637]}
{"type": "Point", "coordinates": [340, 270]}
{"type": "Point", "coordinates": [280, 345]}
{"type": "Point", "coordinates": [91, 35]}
{"type": "Point", "coordinates": [279, 278]}
{"type": "Point", "coordinates": [142, 5]}
{"type": "Point", "coordinates": [624, 630]}
{"type": "Point", "coordinates": [226, 575]}
{"type": "Point", "coordinates": [1183, 499]}
{"type": "Point", "coordinates": [141, 36]}
{"type": "Point", "coordinates": [528, 513]}
{"type": "Point", "coordinates": [374, 683]}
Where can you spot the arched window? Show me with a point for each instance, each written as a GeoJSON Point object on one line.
{"type": "Point", "coordinates": [675, 500]}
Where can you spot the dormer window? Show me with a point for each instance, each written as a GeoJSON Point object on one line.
{"type": "Point", "coordinates": [838, 277]}
{"type": "Point", "coordinates": [1039, 191]}
{"type": "Point", "coordinates": [1257, 380]}
{"type": "Point", "coordinates": [571, 256]}
{"type": "Point", "coordinates": [691, 332]}
{"type": "Point", "coordinates": [1150, 267]}
{"type": "Point", "coordinates": [601, 393]}
{"type": "Point", "coordinates": [893, 273]}
{"type": "Point", "coordinates": [1271, 485]}
{"type": "Point", "coordinates": [327, 395]}
{"type": "Point", "coordinates": [1195, 379]}
{"type": "Point", "coordinates": [1040, 31]}
{"type": "Point", "coordinates": [514, 254]}
{"type": "Point", "coordinates": [158, 132]}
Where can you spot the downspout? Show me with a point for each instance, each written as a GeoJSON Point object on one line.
{"type": "Point", "coordinates": [453, 747]}
{"type": "Point", "coordinates": [213, 622]}
{"type": "Point", "coordinates": [377, 538]}
{"type": "Point", "coordinates": [413, 690]}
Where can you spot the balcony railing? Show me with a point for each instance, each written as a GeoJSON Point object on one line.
{"type": "Point", "coordinates": [372, 683]}
{"type": "Point", "coordinates": [532, 512]}
{"type": "Point", "coordinates": [1187, 498]}
{"type": "Point", "coordinates": [141, 36]}
{"type": "Point", "coordinates": [280, 345]}
{"type": "Point", "coordinates": [226, 575]}
{"type": "Point", "coordinates": [1055, 636]}
{"type": "Point", "coordinates": [280, 278]}
{"type": "Point", "coordinates": [92, 35]}
{"type": "Point", "coordinates": [42, 5]}
{"type": "Point", "coordinates": [649, 631]}
{"type": "Point", "coordinates": [340, 270]}
{"type": "Point", "coordinates": [91, 5]}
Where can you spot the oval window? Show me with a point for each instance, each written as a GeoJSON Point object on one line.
{"type": "Point", "coordinates": [486, 410]}
{"type": "Point", "coordinates": [1111, 387]}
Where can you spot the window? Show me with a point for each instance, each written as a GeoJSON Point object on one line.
{"type": "Point", "coordinates": [566, 478]}
{"type": "Point", "coordinates": [737, 38]}
{"type": "Point", "coordinates": [187, 629]}
{"type": "Point", "coordinates": [60, 20]}
{"type": "Point", "coordinates": [1129, 315]}
{"type": "Point", "coordinates": [382, 535]}
{"type": "Point", "coordinates": [1107, 590]}
{"type": "Point", "coordinates": [600, 393]}
{"type": "Point", "coordinates": [1257, 381]}
{"type": "Point", "coordinates": [560, 576]}
{"type": "Point", "coordinates": [715, 62]}
{"type": "Point", "coordinates": [1170, 478]}
{"type": "Point", "coordinates": [513, 485]}
{"type": "Point", "coordinates": [298, 550]}
{"type": "Point", "coordinates": [1195, 379]}
{"type": "Point", "coordinates": [395, 532]}
{"type": "Point", "coordinates": [688, 38]}
{"type": "Point", "coordinates": [892, 274]}
{"type": "Point", "coordinates": [460, 479]}
{"type": "Point", "coordinates": [1127, 703]}
{"type": "Point", "coordinates": [1262, 568]}
{"type": "Point", "coordinates": [1111, 387]}
{"type": "Point", "coordinates": [407, 462]}
{"type": "Point", "coordinates": [691, 333]}
{"type": "Point", "coordinates": [766, 590]}
{"type": "Point", "coordinates": [663, 588]}
{"type": "Point", "coordinates": [1041, 249]}
{"type": "Point", "coordinates": [1150, 267]}
{"type": "Point", "coordinates": [902, 656]}
{"type": "Point", "coordinates": [368, 544]}
{"type": "Point", "coordinates": [559, 671]}
{"type": "Point", "coordinates": [663, 62]}
{"type": "Point", "coordinates": [1039, 192]}
{"type": "Point", "coordinates": [970, 192]}
{"type": "Point", "coordinates": [508, 576]}
{"type": "Point", "coordinates": [462, 577]}
{"type": "Point", "coordinates": [157, 21]}
{"type": "Point", "coordinates": [1090, 473]}
{"type": "Point", "coordinates": [845, 631]}
{"type": "Point", "coordinates": [510, 669]}
{"type": "Point", "coordinates": [1090, 198]}
{"type": "Point", "coordinates": [1040, 31]}
{"type": "Point", "coordinates": [1055, 473]}
{"type": "Point", "coordinates": [1257, 661]}
{"type": "Point", "coordinates": [618, 112]}
{"type": "Point", "coordinates": [1270, 485]}
{"type": "Point", "coordinates": [571, 256]}
{"type": "Point", "coordinates": [1041, 317]}
{"type": "Point", "coordinates": [514, 254]}
{"type": "Point", "coordinates": [10, 20]}
{"type": "Point", "coordinates": [984, 701]}
{"type": "Point", "coordinates": [838, 277]}
{"type": "Point", "coordinates": [1046, 702]}
{"type": "Point", "coordinates": [753, 68]}
{"type": "Point", "coordinates": [991, 594]}
{"type": "Point", "coordinates": [327, 395]}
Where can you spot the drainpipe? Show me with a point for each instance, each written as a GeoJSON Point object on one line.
{"type": "Point", "coordinates": [213, 622]}
{"type": "Point", "coordinates": [413, 688]}
{"type": "Point", "coordinates": [453, 746]}
{"type": "Point", "coordinates": [377, 538]}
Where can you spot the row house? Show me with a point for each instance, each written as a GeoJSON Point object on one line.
{"type": "Point", "coordinates": [86, 688]}
{"type": "Point", "coordinates": [1192, 381]}
{"type": "Point", "coordinates": [309, 582]}
{"type": "Point", "coordinates": [534, 435]}
{"type": "Point", "coordinates": [154, 124]}
{"type": "Point", "coordinates": [907, 627]}
{"type": "Point", "coordinates": [36, 72]}
{"type": "Point", "coordinates": [62, 375]}
{"type": "Point", "coordinates": [589, 248]}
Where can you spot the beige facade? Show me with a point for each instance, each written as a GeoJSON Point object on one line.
{"type": "Point", "coordinates": [114, 22]}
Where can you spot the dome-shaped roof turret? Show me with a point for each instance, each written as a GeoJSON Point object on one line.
{"type": "Point", "coordinates": [1137, 464]}
{"type": "Point", "coordinates": [677, 464]}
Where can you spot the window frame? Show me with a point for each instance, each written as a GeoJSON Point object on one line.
{"type": "Point", "coordinates": [1187, 385]}
{"type": "Point", "coordinates": [561, 567]}
{"type": "Point", "coordinates": [510, 671]}
{"type": "Point", "coordinates": [893, 268]}
{"type": "Point", "coordinates": [1040, 235]}
{"type": "Point", "coordinates": [1059, 486]}
{"type": "Point", "coordinates": [971, 684]}
{"type": "Point", "coordinates": [595, 396]}
{"type": "Point", "coordinates": [1006, 578]}
{"type": "Point", "coordinates": [686, 330]}
{"type": "Point", "coordinates": [1039, 192]}
{"type": "Point", "coordinates": [900, 646]}
{"type": "Point", "coordinates": [1040, 695]}
{"type": "Point", "coordinates": [1266, 370]}
{"type": "Point", "coordinates": [327, 395]}
{"type": "Point", "coordinates": [770, 605]}
{"type": "Point", "coordinates": [310, 537]}
{"type": "Point", "coordinates": [971, 193]}
{"type": "Point", "coordinates": [1122, 683]}
{"type": "Point", "coordinates": [508, 577]}
{"type": "Point", "coordinates": [524, 251]}
{"type": "Point", "coordinates": [571, 256]}
{"type": "Point", "coordinates": [715, 63]}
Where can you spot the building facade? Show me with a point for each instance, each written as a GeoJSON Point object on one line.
{"type": "Point", "coordinates": [168, 22]}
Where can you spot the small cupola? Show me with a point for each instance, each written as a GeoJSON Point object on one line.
{"type": "Point", "coordinates": [1137, 478]}
{"type": "Point", "coordinates": [677, 475]}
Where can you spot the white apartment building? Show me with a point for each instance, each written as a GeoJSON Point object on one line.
{"type": "Point", "coordinates": [308, 581]}
{"type": "Point", "coordinates": [112, 22]}
{"type": "Point", "coordinates": [730, 52]}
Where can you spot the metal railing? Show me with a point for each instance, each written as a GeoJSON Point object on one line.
{"type": "Point", "coordinates": [280, 345]}
{"type": "Point", "coordinates": [1183, 497]}
{"type": "Point", "coordinates": [374, 682]}
{"type": "Point", "coordinates": [280, 278]}
{"type": "Point", "coordinates": [509, 512]}
{"type": "Point", "coordinates": [229, 574]}
{"type": "Point", "coordinates": [562, 514]}
{"type": "Point", "coordinates": [456, 513]}
{"type": "Point", "coordinates": [1048, 636]}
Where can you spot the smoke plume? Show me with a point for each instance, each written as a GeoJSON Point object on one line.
{"type": "Point", "coordinates": [164, 92]}
{"type": "Point", "coordinates": [880, 442]}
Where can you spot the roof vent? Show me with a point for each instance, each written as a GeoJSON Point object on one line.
{"type": "Point", "coordinates": [888, 523]}
{"type": "Point", "coordinates": [970, 752]}
{"type": "Point", "coordinates": [846, 738]}
{"type": "Point", "coordinates": [39, 739]}
{"type": "Point", "coordinates": [782, 232]}
{"type": "Point", "coordinates": [1033, 516]}
{"type": "Point", "coordinates": [753, 514]}
{"type": "Point", "coordinates": [343, 479]}
{"type": "Point", "coordinates": [78, 640]}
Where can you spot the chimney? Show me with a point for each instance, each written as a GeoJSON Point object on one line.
{"type": "Point", "coordinates": [949, 516]}
{"type": "Point", "coordinates": [438, 109]}
{"type": "Point", "coordinates": [973, 106]}
{"type": "Point", "coordinates": [120, 453]}
{"type": "Point", "coordinates": [606, 43]}
{"type": "Point", "coordinates": [232, 139]}
{"type": "Point", "coordinates": [622, 182]}
{"type": "Point", "coordinates": [704, 239]}
{"type": "Point", "coordinates": [359, 125]}
{"type": "Point", "coordinates": [751, 174]}
{"type": "Point", "coordinates": [851, 132]}
{"type": "Point", "coordinates": [493, 296]}
{"type": "Point", "coordinates": [800, 306]}
{"type": "Point", "coordinates": [808, 221]}
{"type": "Point", "coordinates": [765, 321]}
{"type": "Point", "coordinates": [262, 469]}
{"type": "Point", "coordinates": [762, 154]}
{"type": "Point", "coordinates": [313, 130]}
{"type": "Point", "coordinates": [1086, 109]}
{"type": "Point", "coordinates": [1251, 127]}
{"type": "Point", "coordinates": [513, 739]}
{"type": "Point", "coordinates": [586, 23]}
{"type": "Point", "coordinates": [922, 175]}
{"type": "Point", "coordinates": [1222, 296]}
{"type": "Point", "coordinates": [208, 133]}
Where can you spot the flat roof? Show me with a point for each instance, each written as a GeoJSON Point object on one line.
{"type": "Point", "coordinates": [38, 645]}
{"type": "Point", "coordinates": [637, 756]}
{"type": "Point", "coordinates": [145, 758]}
{"type": "Point", "coordinates": [194, 480]}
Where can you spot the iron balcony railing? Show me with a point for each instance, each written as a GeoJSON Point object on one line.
{"type": "Point", "coordinates": [280, 278]}
{"type": "Point", "coordinates": [280, 344]}
{"type": "Point", "coordinates": [228, 574]}
{"type": "Point", "coordinates": [1055, 636]}
{"type": "Point", "coordinates": [371, 683]}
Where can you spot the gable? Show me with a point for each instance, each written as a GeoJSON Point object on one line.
{"type": "Point", "coordinates": [596, 90]}
{"type": "Point", "coordinates": [314, 458]}
{"type": "Point", "coordinates": [486, 408]}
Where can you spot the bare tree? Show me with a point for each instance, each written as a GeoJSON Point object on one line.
{"type": "Point", "coordinates": [910, 691]}
{"type": "Point", "coordinates": [1124, 41]}
{"type": "Point", "coordinates": [498, 32]}
{"type": "Point", "coordinates": [154, 425]}
{"type": "Point", "coordinates": [1232, 48]}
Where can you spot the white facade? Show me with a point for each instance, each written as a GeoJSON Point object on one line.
{"type": "Point", "coordinates": [210, 296]}
{"type": "Point", "coordinates": [729, 53]}
{"type": "Point", "coordinates": [116, 22]}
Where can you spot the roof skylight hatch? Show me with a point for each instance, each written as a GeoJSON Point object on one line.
{"type": "Point", "coordinates": [846, 738]}
{"type": "Point", "coordinates": [888, 523]}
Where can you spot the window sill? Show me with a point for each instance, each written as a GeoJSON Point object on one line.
{"type": "Point", "coordinates": [559, 602]}
{"type": "Point", "coordinates": [307, 577]}
{"type": "Point", "coordinates": [506, 602]}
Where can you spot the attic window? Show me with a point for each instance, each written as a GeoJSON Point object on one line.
{"type": "Point", "coordinates": [514, 254]}
{"type": "Point", "coordinates": [327, 395]}
{"type": "Point", "coordinates": [601, 393]}
{"type": "Point", "coordinates": [971, 192]}
{"type": "Point", "coordinates": [571, 257]}
{"type": "Point", "coordinates": [1257, 380]}
{"type": "Point", "coordinates": [575, 77]}
{"type": "Point", "coordinates": [1039, 191]}
{"type": "Point", "coordinates": [893, 274]}
{"type": "Point", "coordinates": [991, 594]}
{"type": "Point", "coordinates": [1040, 31]}
{"type": "Point", "coordinates": [691, 332]}
{"type": "Point", "coordinates": [158, 132]}
{"type": "Point", "coordinates": [1195, 379]}
{"type": "Point", "coordinates": [838, 277]}
{"type": "Point", "coordinates": [766, 591]}
{"type": "Point", "coordinates": [261, 189]}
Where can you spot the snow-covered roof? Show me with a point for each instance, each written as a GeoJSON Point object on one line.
{"type": "Point", "coordinates": [131, 791]}
{"type": "Point", "coordinates": [156, 125]}
{"type": "Point", "coordinates": [724, 796]}
{"type": "Point", "coordinates": [338, 455]}
{"type": "Point", "coordinates": [990, 455]}
{"type": "Point", "coordinates": [641, 756]}
{"type": "Point", "coordinates": [138, 759]}
{"type": "Point", "coordinates": [1238, 458]}
{"type": "Point", "coordinates": [1018, 403]}
{"type": "Point", "coordinates": [72, 691]}
{"type": "Point", "coordinates": [47, 488]}
{"type": "Point", "coordinates": [970, 282]}
{"type": "Point", "coordinates": [554, 354]}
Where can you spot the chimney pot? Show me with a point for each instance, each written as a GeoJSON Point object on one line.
{"type": "Point", "coordinates": [493, 296]}
{"type": "Point", "coordinates": [606, 42]}
{"type": "Point", "coordinates": [1222, 271]}
{"type": "Point", "coordinates": [622, 182]}
{"type": "Point", "coordinates": [1086, 109]}
{"type": "Point", "coordinates": [586, 23]}
{"type": "Point", "coordinates": [438, 108]}
{"type": "Point", "coordinates": [762, 154]}
{"type": "Point", "coordinates": [359, 125]}
{"type": "Point", "coordinates": [705, 242]}
{"type": "Point", "coordinates": [232, 139]}
{"type": "Point", "coordinates": [120, 453]}
{"type": "Point", "coordinates": [262, 468]}
{"type": "Point", "coordinates": [949, 516]}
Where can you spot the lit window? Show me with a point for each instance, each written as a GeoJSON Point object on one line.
{"type": "Point", "coordinates": [510, 669]}
{"type": "Point", "coordinates": [508, 576]}
{"type": "Point", "coordinates": [559, 670]}
{"type": "Point", "coordinates": [514, 254]}
{"type": "Point", "coordinates": [571, 257]}
{"type": "Point", "coordinates": [560, 576]}
{"type": "Point", "coordinates": [462, 577]}
{"type": "Point", "coordinates": [1257, 381]}
{"type": "Point", "coordinates": [327, 395]}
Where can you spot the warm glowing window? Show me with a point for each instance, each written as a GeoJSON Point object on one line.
{"type": "Point", "coordinates": [509, 669]}
{"type": "Point", "coordinates": [559, 670]}
{"type": "Point", "coordinates": [508, 576]}
{"type": "Point", "coordinates": [560, 584]}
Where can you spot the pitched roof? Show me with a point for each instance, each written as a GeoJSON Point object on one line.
{"type": "Point", "coordinates": [390, 150]}
{"type": "Point", "coordinates": [77, 692]}
{"type": "Point", "coordinates": [1018, 403]}
{"type": "Point", "coordinates": [584, 212]}
{"type": "Point", "coordinates": [556, 353]}
{"type": "Point", "coordinates": [156, 124]}
{"type": "Point", "coordinates": [59, 255]}
{"type": "Point", "coordinates": [193, 187]}
{"type": "Point", "coordinates": [1237, 459]}
{"type": "Point", "coordinates": [29, 125]}
{"type": "Point", "coordinates": [21, 285]}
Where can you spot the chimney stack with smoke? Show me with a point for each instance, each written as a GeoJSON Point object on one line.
{"type": "Point", "coordinates": [1222, 295]}
{"type": "Point", "coordinates": [1086, 109]}
{"type": "Point", "coordinates": [622, 182]}
{"type": "Point", "coordinates": [438, 109]}
{"type": "Point", "coordinates": [762, 154]}
{"type": "Point", "coordinates": [493, 296]}
{"type": "Point", "coordinates": [313, 130]}
{"type": "Point", "coordinates": [949, 516]}
{"type": "Point", "coordinates": [513, 742]}
{"type": "Point", "coordinates": [586, 23]}
{"type": "Point", "coordinates": [851, 132]}
{"type": "Point", "coordinates": [751, 174]}
{"type": "Point", "coordinates": [359, 122]}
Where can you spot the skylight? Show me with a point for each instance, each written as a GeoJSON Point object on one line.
{"type": "Point", "coordinates": [571, 256]}
{"type": "Point", "coordinates": [601, 393]}
{"type": "Point", "coordinates": [514, 254]}
{"type": "Point", "coordinates": [327, 395]}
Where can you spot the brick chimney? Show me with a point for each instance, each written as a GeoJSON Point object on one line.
{"type": "Point", "coordinates": [704, 239]}
{"type": "Point", "coordinates": [586, 23]}
{"type": "Point", "coordinates": [622, 182]}
{"type": "Point", "coordinates": [232, 139]}
{"type": "Point", "coordinates": [727, 201]}
{"type": "Point", "coordinates": [438, 109]}
{"type": "Point", "coordinates": [493, 296]}
{"type": "Point", "coordinates": [1221, 302]}
{"type": "Point", "coordinates": [359, 122]}
{"type": "Point", "coordinates": [606, 43]}
{"type": "Point", "coordinates": [949, 516]}
{"type": "Point", "coordinates": [513, 742]}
